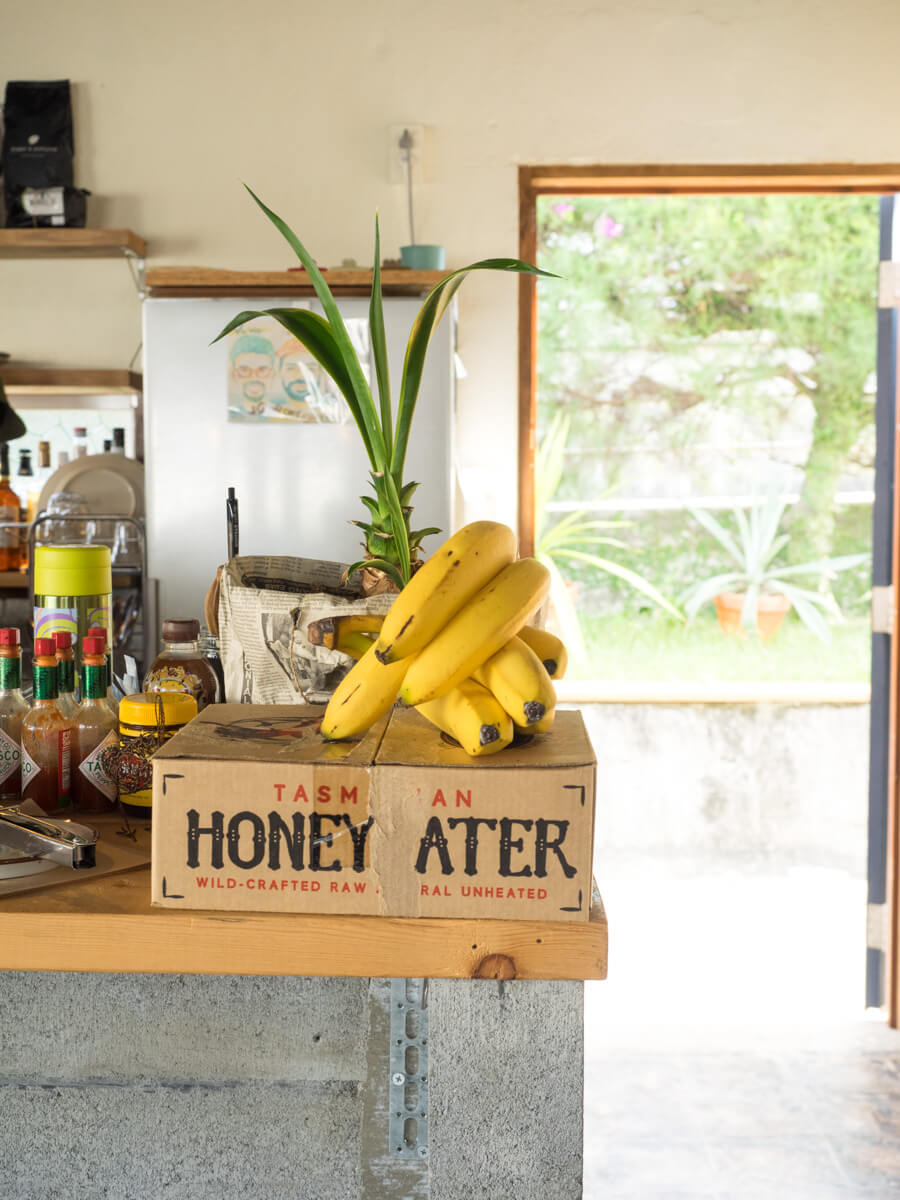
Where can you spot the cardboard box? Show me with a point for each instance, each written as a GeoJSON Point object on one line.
{"type": "Point", "coordinates": [253, 811]}
{"type": "Point", "coordinates": [507, 836]}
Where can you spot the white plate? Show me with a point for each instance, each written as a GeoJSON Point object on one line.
{"type": "Point", "coordinates": [110, 483]}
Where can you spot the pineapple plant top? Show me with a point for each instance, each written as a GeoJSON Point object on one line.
{"type": "Point", "coordinates": [391, 545]}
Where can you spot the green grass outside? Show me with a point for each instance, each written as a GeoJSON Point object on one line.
{"type": "Point", "coordinates": [649, 646]}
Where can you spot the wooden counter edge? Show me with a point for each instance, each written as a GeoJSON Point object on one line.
{"type": "Point", "coordinates": [223, 943]}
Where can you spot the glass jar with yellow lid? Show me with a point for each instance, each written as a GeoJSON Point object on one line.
{"type": "Point", "coordinates": [146, 721]}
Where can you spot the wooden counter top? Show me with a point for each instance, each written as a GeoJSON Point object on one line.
{"type": "Point", "coordinates": [109, 925]}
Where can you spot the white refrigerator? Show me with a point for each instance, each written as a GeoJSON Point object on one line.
{"type": "Point", "coordinates": [297, 484]}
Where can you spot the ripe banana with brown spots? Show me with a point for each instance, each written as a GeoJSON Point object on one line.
{"type": "Point", "coordinates": [519, 680]}
{"type": "Point", "coordinates": [479, 629]}
{"type": "Point", "coordinates": [549, 649]}
{"type": "Point", "coordinates": [473, 716]}
{"type": "Point", "coordinates": [367, 692]}
{"type": "Point", "coordinates": [446, 581]}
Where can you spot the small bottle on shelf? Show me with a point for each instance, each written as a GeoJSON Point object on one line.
{"type": "Point", "coordinates": [28, 498]}
{"type": "Point", "coordinates": [13, 707]}
{"type": "Point", "coordinates": [107, 446]}
{"type": "Point", "coordinates": [48, 737]}
{"type": "Point", "coordinates": [10, 510]}
{"type": "Point", "coordinates": [118, 446]}
{"type": "Point", "coordinates": [95, 789]}
{"type": "Point", "coordinates": [62, 458]}
{"type": "Point", "coordinates": [65, 673]}
{"type": "Point", "coordinates": [42, 473]}
{"type": "Point", "coordinates": [81, 443]}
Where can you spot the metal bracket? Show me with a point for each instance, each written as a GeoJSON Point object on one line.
{"type": "Point", "coordinates": [883, 609]}
{"type": "Point", "coordinates": [137, 265]}
{"type": "Point", "coordinates": [408, 1068]}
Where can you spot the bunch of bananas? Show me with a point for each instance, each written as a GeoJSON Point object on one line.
{"type": "Point", "coordinates": [456, 646]}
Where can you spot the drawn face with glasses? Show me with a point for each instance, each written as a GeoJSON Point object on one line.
{"type": "Point", "coordinates": [252, 365]}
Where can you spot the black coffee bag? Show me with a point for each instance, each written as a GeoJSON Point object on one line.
{"type": "Point", "coordinates": [38, 142]}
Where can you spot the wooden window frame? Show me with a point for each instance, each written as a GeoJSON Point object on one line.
{"type": "Point", "coordinates": [694, 180]}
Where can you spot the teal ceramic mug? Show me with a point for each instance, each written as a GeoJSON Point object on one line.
{"type": "Point", "coordinates": [423, 258]}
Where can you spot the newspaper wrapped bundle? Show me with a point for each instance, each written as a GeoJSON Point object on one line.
{"type": "Point", "coordinates": [265, 606]}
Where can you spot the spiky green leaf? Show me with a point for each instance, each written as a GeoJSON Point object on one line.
{"type": "Point", "coordinates": [433, 308]}
{"type": "Point", "coordinates": [379, 344]}
{"type": "Point", "coordinates": [365, 404]}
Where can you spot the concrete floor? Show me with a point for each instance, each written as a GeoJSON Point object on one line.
{"type": "Point", "coordinates": [728, 1054]}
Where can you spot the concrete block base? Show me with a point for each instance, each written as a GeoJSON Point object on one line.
{"type": "Point", "coordinates": [159, 1087]}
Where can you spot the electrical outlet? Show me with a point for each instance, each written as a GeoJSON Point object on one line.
{"type": "Point", "coordinates": [397, 155]}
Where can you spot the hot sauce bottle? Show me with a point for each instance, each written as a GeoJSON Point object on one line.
{"type": "Point", "coordinates": [95, 790]}
{"type": "Point", "coordinates": [101, 632]}
{"type": "Point", "coordinates": [13, 707]}
{"type": "Point", "coordinates": [65, 674]}
{"type": "Point", "coordinates": [48, 737]}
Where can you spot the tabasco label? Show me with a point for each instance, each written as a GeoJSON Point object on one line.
{"type": "Point", "coordinates": [10, 756]}
{"type": "Point", "coordinates": [64, 761]}
{"type": "Point", "coordinates": [93, 770]}
{"type": "Point", "coordinates": [30, 769]}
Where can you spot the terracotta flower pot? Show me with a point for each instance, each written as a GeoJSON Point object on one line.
{"type": "Point", "coordinates": [770, 612]}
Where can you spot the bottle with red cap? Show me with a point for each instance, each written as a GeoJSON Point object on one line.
{"type": "Point", "coordinates": [99, 631]}
{"type": "Point", "coordinates": [13, 707]}
{"type": "Point", "coordinates": [48, 737]}
{"type": "Point", "coordinates": [95, 787]}
{"type": "Point", "coordinates": [65, 673]}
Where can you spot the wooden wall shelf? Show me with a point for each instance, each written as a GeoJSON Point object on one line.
{"type": "Point", "coordinates": [70, 243]}
{"type": "Point", "coordinates": [109, 925]}
{"type": "Point", "coordinates": [189, 282]}
{"type": "Point", "coordinates": [50, 381]}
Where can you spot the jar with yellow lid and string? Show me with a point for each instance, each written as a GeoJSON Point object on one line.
{"type": "Point", "coordinates": [146, 721]}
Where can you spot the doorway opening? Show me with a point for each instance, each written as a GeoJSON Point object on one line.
{"type": "Point", "coordinates": [700, 396]}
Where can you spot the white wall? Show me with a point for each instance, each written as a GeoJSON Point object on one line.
{"type": "Point", "coordinates": [176, 103]}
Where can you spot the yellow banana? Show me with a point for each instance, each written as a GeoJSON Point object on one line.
{"type": "Point", "coordinates": [549, 649]}
{"type": "Point", "coordinates": [328, 631]}
{"type": "Point", "coordinates": [477, 631]}
{"type": "Point", "coordinates": [473, 716]}
{"type": "Point", "coordinates": [353, 644]}
{"type": "Point", "coordinates": [516, 676]}
{"type": "Point", "coordinates": [542, 726]}
{"type": "Point", "coordinates": [365, 693]}
{"type": "Point", "coordinates": [442, 585]}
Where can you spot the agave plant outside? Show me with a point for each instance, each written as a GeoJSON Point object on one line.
{"type": "Point", "coordinates": [391, 545]}
{"type": "Point", "coordinates": [753, 552]}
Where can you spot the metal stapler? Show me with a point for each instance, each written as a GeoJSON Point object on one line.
{"type": "Point", "coordinates": [62, 841]}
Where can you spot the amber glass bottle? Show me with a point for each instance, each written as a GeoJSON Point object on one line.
{"type": "Point", "coordinates": [48, 738]}
{"type": "Point", "coordinates": [65, 673]}
{"type": "Point", "coordinates": [10, 510]}
{"type": "Point", "coordinates": [13, 707]}
{"type": "Point", "coordinates": [95, 790]}
{"type": "Point", "coordinates": [181, 666]}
